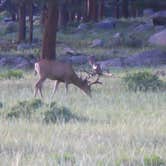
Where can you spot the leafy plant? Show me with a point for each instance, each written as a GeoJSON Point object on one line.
{"type": "Point", "coordinates": [24, 109]}
{"type": "Point", "coordinates": [17, 74]}
{"type": "Point", "coordinates": [143, 81]}
{"type": "Point", "coordinates": [58, 114]}
{"type": "Point", "coordinates": [153, 160]}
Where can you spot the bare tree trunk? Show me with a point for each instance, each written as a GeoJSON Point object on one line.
{"type": "Point", "coordinates": [125, 10]}
{"type": "Point", "coordinates": [101, 10]}
{"type": "Point", "coordinates": [49, 36]}
{"type": "Point", "coordinates": [22, 23]}
{"type": "Point", "coordinates": [30, 22]}
{"type": "Point", "coordinates": [63, 16]}
{"type": "Point", "coordinates": [117, 9]}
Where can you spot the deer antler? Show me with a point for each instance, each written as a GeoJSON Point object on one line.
{"type": "Point", "coordinates": [95, 82]}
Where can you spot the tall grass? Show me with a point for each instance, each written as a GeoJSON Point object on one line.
{"type": "Point", "coordinates": [121, 127]}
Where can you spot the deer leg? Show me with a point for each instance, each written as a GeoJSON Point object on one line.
{"type": "Point", "coordinates": [38, 86]}
{"type": "Point", "coordinates": [55, 87]}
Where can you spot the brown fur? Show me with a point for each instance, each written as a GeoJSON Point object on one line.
{"type": "Point", "coordinates": [61, 72]}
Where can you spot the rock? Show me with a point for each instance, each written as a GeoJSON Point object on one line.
{"type": "Point", "coordinates": [114, 62]}
{"type": "Point", "coordinates": [81, 59]}
{"type": "Point", "coordinates": [159, 28]}
{"type": "Point", "coordinates": [83, 27]}
{"type": "Point", "coordinates": [146, 58]}
{"type": "Point", "coordinates": [148, 12]}
{"type": "Point", "coordinates": [78, 59]}
{"type": "Point", "coordinates": [158, 38]}
{"type": "Point", "coordinates": [108, 24]}
{"type": "Point", "coordinates": [19, 61]}
{"type": "Point", "coordinates": [97, 43]}
{"type": "Point", "coordinates": [159, 18]}
{"type": "Point", "coordinates": [133, 41]}
{"type": "Point", "coordinates": [143, 27]}
{"type": "Point", "coordinates": [68, 50]}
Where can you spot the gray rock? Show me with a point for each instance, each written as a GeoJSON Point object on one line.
{"type": "Point", "coordinates": [148, 12]}
{"type": "Point", "coordinates": [143, 27]}
{"type": "Point", "coordinates": [109, 24]}
{"type": "Point", "coordinates": [159, 18]}
{"type": "Point", "coordinates": [73, 59]}
{"type": "Point", "coordinates": [83, 27]}
{"type": "Point", "coordinates": [97, 43]}
{"type": "Point", "coordinates": [68, 50]}
{"type": "Point", "coordinates": [146, 58]}
{"type": "Point", "coordinates": [159, 28]}
{"type": "Point", "coordinates": [20, 62]}
{"type": "Point", "coordinates": [158, 38]}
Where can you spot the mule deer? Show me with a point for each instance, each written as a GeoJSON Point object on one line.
{"type": "Point", "coordinates": [96, 68]}
{"type": "Point", "coordinates": [60, 72]}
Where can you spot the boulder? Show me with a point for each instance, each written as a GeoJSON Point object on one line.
{"type": "Point", "coordinates": [19, 61]}
{"type": "Point", "coordinates": [146, 58]}
{"type": "Point", "coordinates": [83, 27]}
{"type": "Point", "coordinates": [158, 38]}
{"type": "Point", "coordinates": [107, 24]}
{"type": "Point", "coordinates": [78, 59]}
{"type": "Point", "coordinates": [97, 43]}
{"type": "Point", "coordinates": [159, 18]}
{"type": "Point", "coordinates": [148, 12]}
{"type": "Point", "coordinates": [68, 50]}
{"type": "Point", "coordinates": [143, 27]}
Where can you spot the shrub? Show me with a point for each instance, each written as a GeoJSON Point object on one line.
{"type": "Point", "coordinates": [143, 81]}
{"type": "Point", "coordinates": [24, 109]}
{"type": "Point", "coordinates": [153, 160]}
{"type": "Point", "coordinates": [58, 114]}
{"type": "Point", "coordinates": [17, 74]}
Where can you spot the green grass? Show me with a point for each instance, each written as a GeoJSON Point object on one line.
{"type": "Point", "coordinates": [120, 127]}
{"type": "Point", "coordinates": [116, 127]}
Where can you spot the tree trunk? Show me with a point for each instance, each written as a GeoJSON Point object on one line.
{"type": "Point", "coordinates": [63, 16]}
{"type": "Point", "coordinates": [101, 10]}
{"type": "Point", "coordinates": [125, 11]}
{"type": "Point", "coordinates": [22, 23]}
{"type": "Point", "coordinates": [49, 36]}
{"type": "Point", "coordinates": [117, 9]}
{"type": "Point", "coordinates": [30, 22]}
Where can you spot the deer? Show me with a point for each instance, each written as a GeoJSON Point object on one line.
{"type": "Point", "coordinates": [61, 72]}
{"type": "Point", "coordinates": [96, 68]}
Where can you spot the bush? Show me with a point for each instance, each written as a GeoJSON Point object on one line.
{"type": "Point", "coordinates": [58, 114]}
{"type": "Point", "coordinates": [143, 81]}
{"type": "Point", "coordinates": [24, 109]}
{"type": "Point", "coordinates": [17, 74]}
{"type": "Point", "coordinates": [153, 160]}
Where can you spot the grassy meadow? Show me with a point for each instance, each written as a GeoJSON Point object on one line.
{"type": "Point", "coordinates": [116, 127]}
